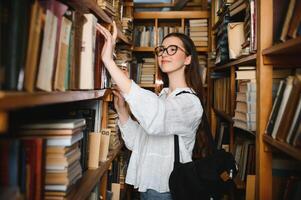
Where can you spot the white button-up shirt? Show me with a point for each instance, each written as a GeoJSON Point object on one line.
{"type": "Point", "coordinates": [152, 139]}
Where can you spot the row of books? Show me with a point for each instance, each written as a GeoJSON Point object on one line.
{"type": "Point", "coordinates": [284, 122]}
{"type": "Point", "coordinates": [245, 110]}
{"type": "Point", "coordinates": [145, 71]}
{"type": "Point", "coordinates": [244, 154]}
{"type": "Point", "coordinates": [287, 21]}
{"type": "Point", "coordinates": [236, 30]}
{"type": "Point", "coordinates": [61, 48]}
{"type": "Point", "coordinates": [221, 95]}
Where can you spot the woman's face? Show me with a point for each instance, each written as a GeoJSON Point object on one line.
{"type": "Point", "coordinates": [174, 57]}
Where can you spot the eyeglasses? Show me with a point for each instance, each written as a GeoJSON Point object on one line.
{"type": "Point", "coordinates": [170, 50]}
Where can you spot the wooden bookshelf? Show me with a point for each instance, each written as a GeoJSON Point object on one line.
{"type": "Point", "coordinates": [247, 60]}
{"type": "Point", "coordinates": [202, 49]}
{"type": "Point", "coordinates": [143, 49]}
{"type": "Point", "coordinates": [16, 100]}
{"type": "Point", "coordinates": [88, 6]}
{"type": "Point", "coordinates": [171, 15]}
{"type": "Point", "coordinates": [83, 188]}
{"type": "Point", "coordinates": [283, 54]}
{"type": "Point", "coordinates": [290, 47]}
{"type": "Point", "coordinates": [151, 49]}
{"type": "Point", "coordinates": [284, 147]}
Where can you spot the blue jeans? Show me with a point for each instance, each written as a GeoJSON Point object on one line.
{"type": "Point", "coordinates": [154, 195]}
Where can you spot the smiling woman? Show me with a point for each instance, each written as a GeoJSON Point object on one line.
{"type": "Point", "coordinates": [159, 118]}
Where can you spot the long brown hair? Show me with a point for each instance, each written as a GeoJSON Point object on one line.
{"type": "Point", "coordinates": [204, 141]}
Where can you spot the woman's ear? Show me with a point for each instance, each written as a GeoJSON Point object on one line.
{"type": "Point", "coordinates": [187, 60]}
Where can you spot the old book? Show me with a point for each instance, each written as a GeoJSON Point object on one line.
{"type": "Point", "coordinates": [283, 104]}
{"type": "Point", "coordinates": [44, 77]}
{"type": "Point", "coordinates": [245, 74]}
{"type": "Point", "coordinates": [287, 20]}
{"type": "Point", "coordinates": [86, 79]}
{"type": "Point", "coordinates": [104, 144]}
{"type": "Point", "coordinates": [290, 109]}
{"type": "Point", "coordinates": [295, 21]}
{"type": "Point", "coordinates": [275, 108]}
{"type": "Point", "coordinates": [235, 39]}
{"type": "Point", "coordinates": [56, 124]}
{"type": "Point", "coordinates": [98, 60]}
{"type": "Point", "coordinates": [49, 132]}
{"type": "Point", "coordinates": [78, 20]}
{"type": "Point", "coordinates": [62, 58]}
{"type": "Point", "coordinates": [33, 49]}
{"type": "Point", "coordinates": [94, 146]}
{"type": "Point", "coordinates": [34, 155]}
{"type": "Point", "coordinates": [294, 124]}
{"type": "Point", "coordinates": [280, 10]}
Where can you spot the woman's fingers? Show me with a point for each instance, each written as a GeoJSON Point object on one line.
{"type": "Point", "coordinates": [114, 31]}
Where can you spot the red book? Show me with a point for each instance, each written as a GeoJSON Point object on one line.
{"type": "Point", "coordinates": [35, 165]}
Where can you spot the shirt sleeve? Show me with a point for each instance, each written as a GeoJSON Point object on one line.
{"type": "Point", "coordinates": [131, 131]}
{"type": "Point", "coordinates": [176, 115]}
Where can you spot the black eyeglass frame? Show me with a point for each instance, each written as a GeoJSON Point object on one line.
{"type": "Point", "coordinates": [166, 49]}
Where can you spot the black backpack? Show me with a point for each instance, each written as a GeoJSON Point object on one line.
{"type": "Point", "coordinates": [206, 178]}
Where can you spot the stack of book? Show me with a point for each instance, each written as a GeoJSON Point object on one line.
{"type": "Point", "coordinates": [148, 71]}
{"type": "Point", "coordinates": [107, 6]}
{"type": "Point", "coordinates": [62, 167]}
{"type": "Point", "coordinates": [115, 135]}
{"type": "Point", "coordinates": [144, 36]}
{"type": "Point", "coordinates": [198, 32]}
{"type": "Point", "coordinates": [127, 27]}
{"type": "Point", "coordinates": [245, 111]}
{"type": "Point", "coordinates": [222, 51]}
{"type": "Point", "coordinates": [284, 121]}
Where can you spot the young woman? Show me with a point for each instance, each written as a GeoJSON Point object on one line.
{"type": "Point", "coordinates": [173, 112]}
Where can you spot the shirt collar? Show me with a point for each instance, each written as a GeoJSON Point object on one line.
{"type": "Point", "coordinates": [164, 91]}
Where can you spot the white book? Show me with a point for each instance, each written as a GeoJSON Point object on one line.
{"type": "Point", "coordinates": [64, 141]}
{"type": "Point", "coordinates": [44, 77]}
{"type": "Point", "coordinates": [57, 124]}
{"type": "Point", "coordinates": [62, 188]}
{"type": "Point", "coordinates": [87, 53]}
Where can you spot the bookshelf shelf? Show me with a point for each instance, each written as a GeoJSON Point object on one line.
{"type": "Point", "coordinates": [15, 100]}
{"type": "Point", "coordinates": [171, 15]}
{"type": "Point", "coordinates": [283, 54]}
{"type": "Point", "coordinates": [252, 133]}
{"type": "Point", "coordinates": [83, 188]}
{"type": "Point", "coordinates": [248, 60]}
{"type": "Point", "coordinates": [87, 6]}
{"type": "Point", "coordinates": [90, 5]}
{"type": "Point", "coordinates": [143, 49]}
{"type": "Point", "coordinates": [282, 146]}
{"type": "Point", "coordinates": [290, 47]}
{"type": "Point", "coordinates": [223, 115]}
{"type": "Point", "coordinates": [202, 49]}
{"type": "Point", "coordinates": [151, 49]}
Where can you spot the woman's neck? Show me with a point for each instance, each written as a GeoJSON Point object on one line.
{"type": "Point", "coordinates": [176, 81]}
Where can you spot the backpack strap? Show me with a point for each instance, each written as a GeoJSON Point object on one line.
{"type": "Point", "coordinates": [207, 127]}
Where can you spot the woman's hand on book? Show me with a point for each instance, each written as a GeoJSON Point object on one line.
{"type": "Point", "coordinates": [120, 105]}
{"type": "Point", "coordinates": [109, 45]}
